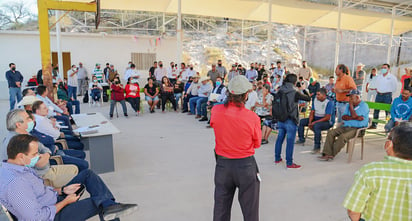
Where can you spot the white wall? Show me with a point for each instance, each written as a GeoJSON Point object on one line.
{"type": "Point", "coordinates": [23, 49]}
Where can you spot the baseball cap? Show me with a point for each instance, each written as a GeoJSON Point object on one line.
{"type": "Point", "coordinates": [354, 91]}
{"type": "Point", "coordinates": [239, 85]}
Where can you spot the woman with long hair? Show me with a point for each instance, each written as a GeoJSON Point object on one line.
{"type": "Point", "coordinates": [166, 92]}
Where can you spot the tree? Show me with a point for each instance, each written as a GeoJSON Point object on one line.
{"type": "Point", "coordinates": [14, 14]}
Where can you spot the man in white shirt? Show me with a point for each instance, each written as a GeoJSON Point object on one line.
{"type": "Point", "coordinates": [251, 74]}
{"type": "Point", "coordinates": [131, 72]}
{"type": "Point", "coordinates": [160, 72]}
{"type": "Point", "coordinates": [191, 72]}
{"type": "Point", "coordinates": [386, 85]}
{"type": "Point", "coordinates": [82, 79]}
{"type": "Point", "coordinates": [43, 124]}
{"type": "Point", "coordinates": [72, 82]}
{"type": "Point", "coordinates": [172, 73]}
{"type": "Point", "coordinates": [252, 98]}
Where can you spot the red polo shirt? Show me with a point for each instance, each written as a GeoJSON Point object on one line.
{"type": "Point", "coordinates": [237, 131]}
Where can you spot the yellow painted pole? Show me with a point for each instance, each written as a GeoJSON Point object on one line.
{"type": "Point", "coordinates": [44, 32]}
{"type": "Point", "coordinates": [43, 18]}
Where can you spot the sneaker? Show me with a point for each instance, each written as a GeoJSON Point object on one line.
{"type": "Point", "coordinates": [118, 210]}
{"type": "Point", "coordinates": [185, 111]}
{"type": "Point", "coordinates": [278, 161]}
{"type": "Point", "coordinates": [293, 166]}
{"type": "Point", "coordinates": [111, 116]}
{"type": "Point", "coordinates": [203, 119]}
{"type": "Point", "coordinates": [126, 115]}
{"type": "Point", "coordinates": [300, 142]}
{"type": "Point", "coordinates": [264, 141]}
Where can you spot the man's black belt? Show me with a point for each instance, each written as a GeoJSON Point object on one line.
{"type": "Point", "coordinates": [225, 158]}
{"type": "Point", "coordinates": [387, 93]}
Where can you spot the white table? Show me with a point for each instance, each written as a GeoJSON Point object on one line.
{"type": "Point", "coordinates": [99, 144]}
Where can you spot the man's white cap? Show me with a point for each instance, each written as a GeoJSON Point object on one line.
{"type": "Point", "coordinates": [360, 64]}
{"type": "Point", "coordinates": [239, 85]}
{"type": "Point", "coordinates": [27, 100]}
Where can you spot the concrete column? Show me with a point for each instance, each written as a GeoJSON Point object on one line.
{"type": "Point", "coordinates": [268, 58]}
{"type": "Point", "coordinates": [179, 33]}
{"type": "Point", "coordinates": [59, 50]}
{"type": "Point", "coordinates": [338, 30]}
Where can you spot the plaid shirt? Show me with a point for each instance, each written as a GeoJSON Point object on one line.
{"type": "Point", "coordinates": [382, 190]}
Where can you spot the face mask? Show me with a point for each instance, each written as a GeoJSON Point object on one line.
{"type": "Point", "coordinates": [219, 65]}
{"type": "Point", "coordinates": [13, 68]}
{"type": "Point", "coordinates": [384, 71]}
{"type": "Point", "coordinates": [134, 81]}
{"type": "Point", "coordinates": [94, 81]}
{"type": "Point", "coordinates": [129, 65]}
{"type": "Point", "coordinates": [74, 69]}
{"type": "Point", "coordinates": [30, 126]}
{"type": "Point", "coordinates": [116, 82]}
{"type": "Point", "coordinates": [218, 83]}
{"type": "Point", "coordinates": [33, 161]}
{"type": "Point", "coordinates": [191, 69]}
{"type": "Point", "coordinates": [161, 65]}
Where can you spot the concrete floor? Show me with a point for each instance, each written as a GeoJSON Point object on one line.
{"type": "Point", "coordinates": [165, 163]}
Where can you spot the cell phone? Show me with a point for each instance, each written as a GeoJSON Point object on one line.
{"type": "Point", "coordinates": [81, 190]}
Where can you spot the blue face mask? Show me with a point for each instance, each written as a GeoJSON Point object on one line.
{"type": "Point", "coordinates": [384, 71]}
{"type": "Point", "coordinates": [218, 83]}
{"type": "Point", "coordinates": [30, 126]}
{"type": "Point", "coordinates": [33, 161]}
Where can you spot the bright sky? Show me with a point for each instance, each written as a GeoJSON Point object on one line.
{"type": "Point", "coordinates": [32, 4]}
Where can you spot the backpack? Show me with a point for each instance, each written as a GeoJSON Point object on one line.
{"type": "Point", "coordinates": [280, 107]}
{"type": "Point", "coordinates": [86, 97]}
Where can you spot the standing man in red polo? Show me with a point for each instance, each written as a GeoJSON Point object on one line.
{"type": "Point", "coordinates": [344, 84]}
{"type": "Point", "coordinates": [237, 135]}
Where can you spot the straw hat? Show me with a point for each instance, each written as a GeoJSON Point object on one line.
{"type": "Point", "coordinates": [360, 64]}
{"type": "Point", "coordinates": [27, 100]}
{"type": "Point", "coordinates": [204, 78]}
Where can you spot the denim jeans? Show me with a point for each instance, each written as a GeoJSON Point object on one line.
{"type": "Point", "coordinates": [389, 126]}
{"type": "Point", "coordinates": [193, 103]}
{"type": "Point", "coordinates": [177, 98]}
{"type": "Point", "coordinates": [340, 109]}
{"type": "Point", "coordinates": [317, 130]}
{"type": "Point", "coordinates": [385, 98]}
{"type": "Point", "coordinates": [286, 129]}
{"type": "Point", "coordinates": [95, 94]}
{"type": "Point", "coordinates": [74, 103]}
{"type": "Point", "coordinates": [14, 92]}
{"type": "Point", "coordinates": [100, 195]}
{"type": "Point", "coordinates": [72, 91]}
{"type": "Point", "coordinates": [186, 101]}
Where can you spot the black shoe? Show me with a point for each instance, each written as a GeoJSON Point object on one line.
{"type": "Point", "coordinates": [372, 127]}
{"type": "Point", "coordinates": [203, 119]}
{"type": "Point", "coordinates": [126, 115]}
{"type": "Point", "coordinates": [185, 111]}
{"type": "Point", "coordinates": [264, 142]}
{"type": "Point", "coordinates": [299, 142]}
{"type": "Point", "coordinates": [111, 116]}
{"type": "Point", "coordinates": [118, 210]}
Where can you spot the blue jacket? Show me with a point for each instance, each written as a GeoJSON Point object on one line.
{"type": "Point", "coordinates": [401, 109]}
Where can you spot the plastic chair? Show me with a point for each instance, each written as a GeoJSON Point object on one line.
{"type": "Point", "coordinates": [359, 136]}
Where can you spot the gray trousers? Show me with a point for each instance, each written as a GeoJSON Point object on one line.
{"type": "Point", "coordinates": [337, 138]}
{"type": "Point", "coordinates": [82, 86]}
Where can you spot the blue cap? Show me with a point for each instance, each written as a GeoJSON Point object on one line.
{"type": "Point", "coordinates": [354, 91]}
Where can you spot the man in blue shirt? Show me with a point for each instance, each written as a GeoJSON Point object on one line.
{"type": "Point", "coordinates": [322, 117]}
{"type": "Point", "coordinates": [23, 193]}
{"type": "Point", "coordinates": [401, 109]}
{"type": "Point", "coordinates": [14, 79]}
{"type": "Point", "coordinates": [355, 116]}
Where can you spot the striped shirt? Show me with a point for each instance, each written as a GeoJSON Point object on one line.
{"type": "Point", "coordinates": [382, 191]}
{"type": "Point", "coordinates": [99, 75]}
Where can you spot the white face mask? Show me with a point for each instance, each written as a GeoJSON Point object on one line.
{"type": "Point", "coordinates": [74, 69]}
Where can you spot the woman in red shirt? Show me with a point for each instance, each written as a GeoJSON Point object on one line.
{"type": "Point", "coordinates": [117, 96]}
{"type": "Point", "coordinates": [133, 94]}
